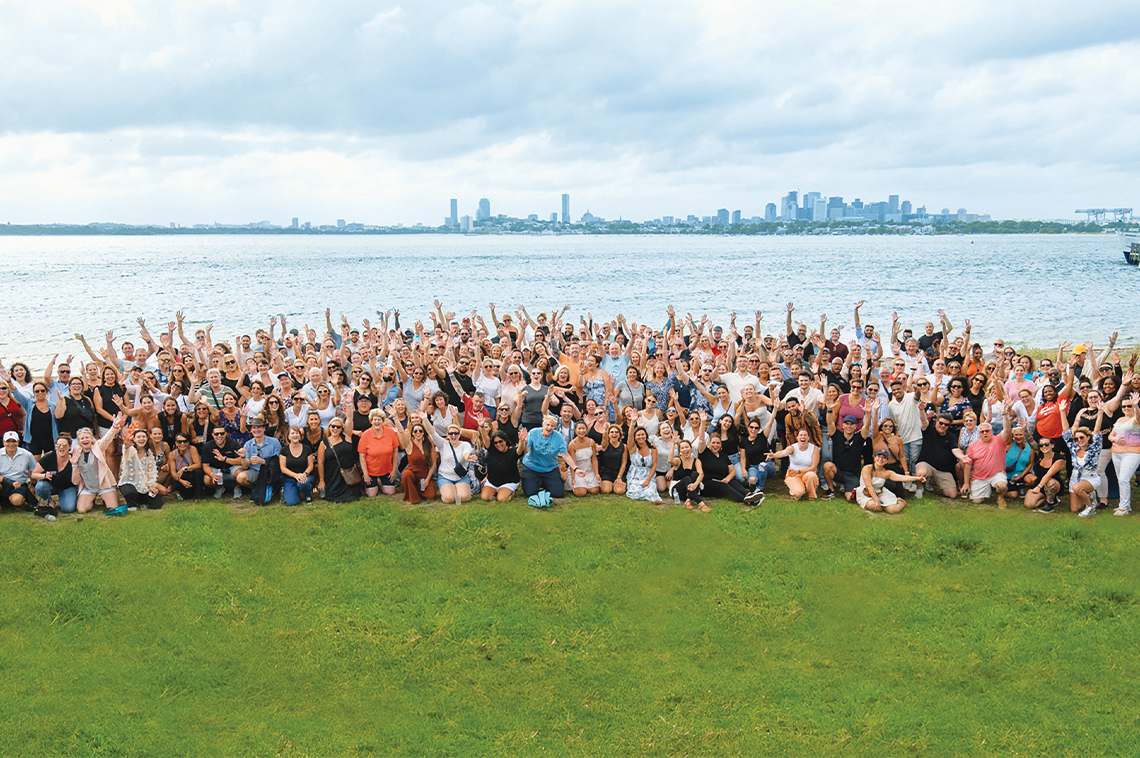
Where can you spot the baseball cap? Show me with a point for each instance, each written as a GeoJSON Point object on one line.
{"type": "Point", "coordinates": [850, 420]}
{"type": "Point", "coordinates": [1080, 350]}
{"type": "Point", "coordinates": [11, 436]}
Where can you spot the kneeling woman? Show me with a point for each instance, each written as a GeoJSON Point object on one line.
{"type": "Point", "coordinates": [502, 469]}
{"type": "Point", "coordinates": [297, 464]}
{"type": "Point", "coordinates": [455, 453]}
{"type": "Point", "coordinates": [584, 476]}
{"type": "Point", "coordinates": [139, 478]}
{"type": "Point", "coordinates": [379, 449]}
{"type": "Point", "coordinates": [418, 479]}
{"type": "Point", "coordinates": [873, 495]}
{"type": "Point", "coordinates": [803, 460]}
{"type": "Point", "coordinates": [91, 471]}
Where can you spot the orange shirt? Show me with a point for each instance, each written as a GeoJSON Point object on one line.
{"type": "Point", "coordinates": [378, 451]}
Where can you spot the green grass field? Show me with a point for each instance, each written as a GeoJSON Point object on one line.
{"type": "Point", "coordinates": [602, 627]}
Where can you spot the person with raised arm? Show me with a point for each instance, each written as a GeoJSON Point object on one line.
{"type": "Point", "coordinates": [1084, 454]}
{"type": "Point", "coordinates": [984, 463]}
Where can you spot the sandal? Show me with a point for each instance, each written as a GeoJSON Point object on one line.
{"type": "Point", "coordinates": [689, 504]}
{"type": "Point", "coordinates": [704, 508]}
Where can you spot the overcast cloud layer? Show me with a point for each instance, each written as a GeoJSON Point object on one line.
{"type": "Point", "coordinates": [199, 111]}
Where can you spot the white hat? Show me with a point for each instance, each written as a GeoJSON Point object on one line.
{"type": "Point", "coordinates": [11, 436]}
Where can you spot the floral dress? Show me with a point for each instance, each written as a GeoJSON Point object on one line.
{"type": "Point", "coordinates": [640, 467]}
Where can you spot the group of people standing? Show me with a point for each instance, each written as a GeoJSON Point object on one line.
{"type": "Point", "coordinates": [687, 411]}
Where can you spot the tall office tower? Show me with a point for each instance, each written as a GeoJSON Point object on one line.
{"type": "Point", "coordinates": [722, 217]}
{"type": "Point", "coordinates": [819, 210]}
{"type": "Point", "coordinates": [296, 223]}
{"type": "Point", "coordinates": [809, 203]}
{"type": "Point", "coordinates": [484, 211]}
{"type": "Point", "coordinates": [554, 218]}
{"type": "Point", "coordinates": [454, 220]}
{"type": "Point", "coordinates": [465, 223]}
{"type": "Point", "coordinates": [736, 217]}
{"type": "Point", "coordinates": [770, 213]}
{"type": "Point", "coordinates": [791, 206]}
{"type": "Point", "coordinates": [892, 204]}
{"type": "Point", "coordinates": [565, 208]}
{"type": "Point", "coordinates": [904, 209]}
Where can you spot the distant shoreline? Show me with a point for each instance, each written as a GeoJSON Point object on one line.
{"type": "Point", "coordinates": [519, 227]}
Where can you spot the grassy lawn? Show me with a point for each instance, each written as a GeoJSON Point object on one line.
{"type": "Point", "coordinates": [602, 627]}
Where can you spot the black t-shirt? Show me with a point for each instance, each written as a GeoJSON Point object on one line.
{"type": "Point", "coordinates": [754, 451]}
{"type": "Point", "coordinates": [509, 430]}
{"type": "Point", "coordinates": [61, 478]}
{"type": "Point", "coordinates": [926, 344]}
{"type": "Point", "coordinates": [297, 463]}
{"type": "Point", "coordinates": [502, 466]}
{"type": "Point", "coordinates": [228, 450]}
{"type": "Point", "coordinates": [838, 380]}
{"type": "Point", "coordinates": [715, 466]}
{"type": "Point", "coordinates": [850, 455]}
{"type": "Point", "coordinates": [938, 449]}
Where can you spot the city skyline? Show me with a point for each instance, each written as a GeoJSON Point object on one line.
{"type": "Point", "coordinates": [185, 112]}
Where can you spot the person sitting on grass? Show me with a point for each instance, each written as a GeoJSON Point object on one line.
{"type": "Point", "coordinates": [16, 466]}
{"type": "Point", "coordinates": [91, 472]}
{"type": "Point", "coordinates": [1045, 479]}
{"type": "Point", "coordinates": [803, 460]}
{"type": "Point", "coordinates": [221, 459]}
{"type": "Point", "coordinates": [52, 476]}
{"type": "Point", "coordinates": [873, 495]}
{"type": "Point", "coordinates": [984, 463]}
{"type": "Point", "coordinates": [687, 475]}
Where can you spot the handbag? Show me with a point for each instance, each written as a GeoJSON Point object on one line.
{"type": "Point", "coordinates": [460, 469]}
{"type": "Point", "coordinates": [351, 476]}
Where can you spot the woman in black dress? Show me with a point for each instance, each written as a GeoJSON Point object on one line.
{"type": "Point", "coordinates": [334, 451]}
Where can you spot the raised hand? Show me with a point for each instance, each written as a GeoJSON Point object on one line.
{"type": "Point", "coordinates": [859, 304]}
{"type": "Point", "coordinates": [791, 307]}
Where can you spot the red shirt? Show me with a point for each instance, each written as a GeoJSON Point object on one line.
{"type": "Point", "coordinates": [12, 417]}
{"type": "Point", "coordinates": [1049, 417]}
{"type": "Point", "coordinates": [470, 416]}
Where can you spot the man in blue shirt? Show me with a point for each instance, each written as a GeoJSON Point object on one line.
{"type": "Point", "coordinates": [257, 452]}
{"type": "Point", "coordinates": [542, 448]}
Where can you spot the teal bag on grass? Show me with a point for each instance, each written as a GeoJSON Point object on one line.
{"type": "Point", "coordinates": [541, 499]}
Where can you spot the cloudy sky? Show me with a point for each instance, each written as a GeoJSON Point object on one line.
{"type": "Point", "coordinates": [199, 111]}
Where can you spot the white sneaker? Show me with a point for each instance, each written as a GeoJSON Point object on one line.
{"type": "Point", "coordinates": [1088, 512]}
{"type": "Point", "coordinates": [218, 493]}
{"type": "Point", "coordinates": [237, 492]}
{"type": "Point", "coordinates": [1122, 512]}
{"type": "Point", "coordinates": [918, 493]}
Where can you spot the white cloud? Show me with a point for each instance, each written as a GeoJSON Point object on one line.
{"type": "Point", "coordinates": [154, 111]}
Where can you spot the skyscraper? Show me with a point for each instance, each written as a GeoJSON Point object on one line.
{"type": "Point", "coordinates": [484, 211]}
{"type": "Point", "coordinates": [736, 217]}
{"type": "Point", "coordinates": [892, 204]}
{"type": "Point", "coordinates": [791, 206]}
{"type": "Point", "coordinates": [454, 220]}
{"type": "Point", "coordinates": [565, 208]}
{"type": "Point", "coordinates": [770, 213]}
{"type": "Point", "coordinates": [722, 217]}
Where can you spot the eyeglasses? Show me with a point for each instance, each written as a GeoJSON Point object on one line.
{"type": "Point", "coordinates": [338, 427]}
{"type": "Point", "coordinates": [1046, 444]}
{"type": "Point", "coordinates": [181, 442]}
{"type": "Point", "coordinates": [922, 384]}
{"type": "Point", "coordinates": [322, 392]}
{"type": "Point", "coordinates": [942, 423]}
{"type": "Point", "coordinates": [453, 434]}
{"type": "Point", "coordinates": [40, 390]}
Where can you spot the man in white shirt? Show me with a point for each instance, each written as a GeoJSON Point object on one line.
{"type": "Point", "coordinates": [810, 397]}
{"type": "Point", "coordinates": [907, 410]}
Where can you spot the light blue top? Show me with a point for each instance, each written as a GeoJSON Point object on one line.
{"type": "Point", "coordinates": [542, 452]}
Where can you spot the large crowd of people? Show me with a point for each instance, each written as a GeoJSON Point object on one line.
{"type": "Point", "coordinates": [463, 407]}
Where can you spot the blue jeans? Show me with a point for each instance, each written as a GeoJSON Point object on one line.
{"type": "Point", "coordinates": [67, 498]}
{"type": "Point", "coordinates": [293, 492]}
{"type": "Point", "coordinates": [533, 481]}
{"type": "Point", "coordinates": [911, 451]}
{"type": "Point", "coordinates": [760, 472]}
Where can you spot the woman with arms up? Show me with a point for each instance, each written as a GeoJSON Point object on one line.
{"type": "Point", "coordinates": [1084, 454]}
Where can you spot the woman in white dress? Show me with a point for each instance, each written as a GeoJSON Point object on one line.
{"type": "Point", "coordinates": [873, 495]}
{"type": "Point", "coordinates": [584, 477]}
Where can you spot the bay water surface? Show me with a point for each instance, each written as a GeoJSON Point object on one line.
{"type": "Point", "coordinates": [1031, 290]}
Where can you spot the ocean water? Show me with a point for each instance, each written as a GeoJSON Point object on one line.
{"type": "Point", "coordinates": [1032, 290]}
